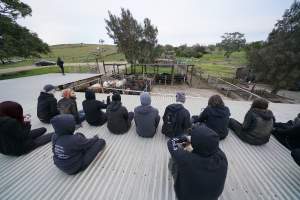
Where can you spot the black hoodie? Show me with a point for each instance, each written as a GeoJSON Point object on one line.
{"type": "Point", "coordinates": [117, 118]}
{"type": "Point", "coordinates": [201, 173]}
{"type": "Point", "coordinates": [183, 121]}
{"type": "Point", "coordinates": [47, 107]}
{"type": "Point", "coordinates": [68, 149]}
{"type": "Point", "coordinates": [92, 109]}
{"type": "Point", "coordinates": [257, 126]}
{"type": "Point", "coordinates": [217, 119]}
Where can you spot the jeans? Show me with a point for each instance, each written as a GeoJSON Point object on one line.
{"type": "Point", "coordinates": [37, 139]}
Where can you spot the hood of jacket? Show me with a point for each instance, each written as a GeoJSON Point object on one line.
{"type": "Point", "coordinates": [205, 142]}
{"type": "Point", "coordinates": [175, 107]}
{"type": "Point", "coordinates": [265, 114]}
{"type": "Point", "coordinates": [114, 105]}
{"type": "Point", "coordinates": [63, 124]}
{"type": "Point", "coordinates": [144, 109]}
{"type": "Point", "coordinates": [90, 95]}
{"type": "Point", "coordinates": [222, 111]}
{"type": "Point", "coordinates": [45, 95]}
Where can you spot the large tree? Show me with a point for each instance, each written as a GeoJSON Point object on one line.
{"type": "Point", "coordinates": [277, 60]}
{"type": "Point", "coordinates": [16, 40]}
{"type": "Point", "coordinates": [232, 42]}
{"type": "Point", "coordinates": [136, 41]}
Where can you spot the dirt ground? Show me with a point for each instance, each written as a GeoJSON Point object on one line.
{"type": "Point", "coordinates": [168, 89]}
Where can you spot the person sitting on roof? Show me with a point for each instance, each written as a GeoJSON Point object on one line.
{"type": "Point", "coordinates": [72, 152]}
{"type": "Point", "coordinates": [215, 116]}
{"type": "Point", "coordinates": [47, 104]}
{"type": "Point", "coordinates": [146, 117]}
{"type": "Point", "coordinates": [257, 126]}
{"type": "Point", "coordinates": [176, 119]}
{"type": "Point", "coordinates": [68, 105]}
{"type": "Point", "coordinates": [288, 134]}
{"type": "Point", "coordinates": [16, 136]}
{"type": "Point", "coordinates": [201, 173]}
{"type": "Point", "coordinates": [92, 109]}
{"type": "Point", "coordinates": [296, 155]}
{"type": "Point", "coordinates": [118, 118]}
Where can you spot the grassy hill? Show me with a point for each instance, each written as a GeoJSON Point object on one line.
{"type": "Point", "coordinates": [216, 64]}
{"type": "Point", "coordinates": [74, 53]}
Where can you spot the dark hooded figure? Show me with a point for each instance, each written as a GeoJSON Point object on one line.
{"type": "Point", "coordinates": [200, 174]}
{"type": "Point", "coordinates": [93, 109]}
{"type": "Point", "coordinates": [215, 116]}
{"type": "Point", "coordinates": [47, 104]}
{"type": "Point", "coordinates": [72, 152]}
{"type": "Point", "coordinates": [118, 118]}
{"type": "Point", "coordinates": [176, 118]}
{"type": "Point", "coordinates": [288, 133]}
{"type": "Point", "coordinates": [60, 63]}
{"type": "Point", "coordinates": [257, 126]}
{"type": "Point", "coordinates": [16, 136]}
{"type": "Point", "coordinates": [146, 117]}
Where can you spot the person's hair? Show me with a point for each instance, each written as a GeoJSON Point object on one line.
{"type": "Point", "coordinates": [215, 101]}
{"type": "Point", "coordinates": [67, 93]}
{"type": "Point", "coordinates": [260, 104]}
{"type": "Point", "coordinates": [12, 109]}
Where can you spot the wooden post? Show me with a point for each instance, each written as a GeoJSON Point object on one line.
{"type": "Point", "coordinates": [172, 75]}
{"type": "Point", "coordinates": [145, 69]}
{"type": "Point", "coordinates": [114, 68]}
{"type": "Point", "coordinates": [125, 68]}
{"type": "Point", "coordinates": [98, 68]}
{"type": "Point", "coordinates": [131, 68]}
{"type": "Point", "coordinates": [118, 69]}
{"type": "Point", "coordinates": [104, 67]}
{"type": "Point", "coordinates": [191, 79]}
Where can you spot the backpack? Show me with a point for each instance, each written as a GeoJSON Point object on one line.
{"type": "Point", "coordinates": [169, 125]}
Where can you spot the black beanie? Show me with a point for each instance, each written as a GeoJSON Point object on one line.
{"type": "Point", "coordinates": [116, 97]}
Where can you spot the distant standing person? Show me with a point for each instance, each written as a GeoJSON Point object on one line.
{"type": "Point", "coordinates": [60, 63]}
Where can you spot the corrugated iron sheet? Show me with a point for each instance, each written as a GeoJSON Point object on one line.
{"type": "Point", "coordinates": [131, 167]}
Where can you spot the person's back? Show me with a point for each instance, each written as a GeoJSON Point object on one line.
{"type": "Point", "coordinates": [217, 119]}
{"type": "Point", "coordinates": [70, 150]}
{"type": "Point", "coordinates": [118, 119]}
{"type": "Point", "coordinates": [176, 120]}
{"type": "Point", "coordinates": [257, 126]}
{"type": "Point", "coordinates": [13, 136]}
{"type": "Point", "coordinates": [47, 104]}
{"type": "Point", "coordinates": [146, 117]}
{"type": "Point", "coordinates": [201, 174]}
{"type": "Point", "coordinates": [92, 109]}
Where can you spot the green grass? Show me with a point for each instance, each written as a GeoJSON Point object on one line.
{"type": "Point", "coordinates": [217, 65]}
{"type": "Point", "coordinates": [74, 53]}
{"type": "Point", "coordinates": [150, 70]}
{"type": "Point", "coordinates": [46, 70]}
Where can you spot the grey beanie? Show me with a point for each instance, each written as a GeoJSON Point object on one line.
{"type": "Point", "coordinates": [180, 97]}
{"type": "Point", "coordinates": [145, 99]}
{"type": "Point", "coordinates": [48, 88]}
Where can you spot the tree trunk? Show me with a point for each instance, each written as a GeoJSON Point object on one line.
{"type": "Point", "coordinates": [2, 61]}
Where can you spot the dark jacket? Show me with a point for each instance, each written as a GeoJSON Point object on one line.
{"type": "Point", "coordinates": [47, 107]}
{"type": "Point", "coordinates": [14, 136]}
{"type": "Point", "coordinates": [68, 106]}
{"type": "Point", "coordinates": [117, 118]}
{"type": "Point", "coordinates": [183, 121]}
{"type": "Point", "coordinates": [217, 119]}
{"type": "Point", "coordinates": [257, 126]}
{"type": "Point", "coordinates": [68, 148]}
{"type": "Point", "coordinates": [146, 119]}
{"type": "Point", "coordinates": [201, 173]}
{"type": "Point", "coordinates": [92, 109]}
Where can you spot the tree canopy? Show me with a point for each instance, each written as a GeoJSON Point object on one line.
{"type": "Point", "coordinates": [277, 60]}
{"type": "Point", "coordinates": [232, 42]}
{"type": "Point", "coordinates": [138, 42]}
{"type": "Point", "coordinates": [16, 40]}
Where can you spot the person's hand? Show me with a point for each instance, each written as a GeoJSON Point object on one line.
{"type": "Point", "coordinates": [27, 118]}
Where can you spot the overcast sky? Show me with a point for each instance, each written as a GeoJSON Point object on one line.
{"type": "Point", "coordinates": [178, 21]}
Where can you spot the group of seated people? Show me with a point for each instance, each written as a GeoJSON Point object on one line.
{"type": "Point", "coordinates": [198, 165]}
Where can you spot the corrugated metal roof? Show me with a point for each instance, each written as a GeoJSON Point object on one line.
{"type": "Point", "coordinates": [132, 167]}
